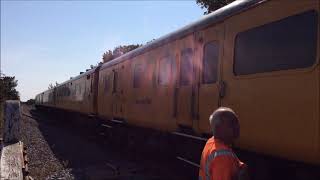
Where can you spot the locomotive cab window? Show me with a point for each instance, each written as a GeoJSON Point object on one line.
{"type": "Point", "coordinates": [165, 69]}
{"type": "Point", "coordinates": [210, 63]}
{"type": "Point", "coordinates": [186, 70]}
{"type": "Point", "coordinates": [289, 43]}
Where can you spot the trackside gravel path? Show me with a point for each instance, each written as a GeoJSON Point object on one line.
{"type": "Point", "coordinates": [61, 151]}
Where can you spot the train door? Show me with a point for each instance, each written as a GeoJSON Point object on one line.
{"type": "Point", "coordinates": [271, 73]}
{"type": "Point", "coordinates": [117, 91]}
{"type": "Point", "coordinates": [185, 92]}
{"type": "Point", "coordinates": [212, 51]}
{"type": "Point", "coordinates": [105, 96]}
{"type": "Point", "coordinates": [94, 88]}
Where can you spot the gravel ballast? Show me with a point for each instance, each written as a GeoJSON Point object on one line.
{"type": "Point", "coordinates": [58, 150]}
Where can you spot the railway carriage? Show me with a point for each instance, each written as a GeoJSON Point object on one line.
{"type": "Point", "coordinates": [259, 57]}
{"type": "Point", "coordinates": [45, 98]}
{"type": "Point", "coordinates": [75, 95]}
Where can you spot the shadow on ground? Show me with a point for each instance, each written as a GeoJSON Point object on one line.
{"type": "Point", "coordinates": [88, 156]}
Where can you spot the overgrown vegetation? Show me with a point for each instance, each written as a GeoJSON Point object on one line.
{"type": "Point", "coordinates": [8, 91]}
{"type": "Point", "coordinates": [118, 51]}
{"type": "Point", "coordinates": [212, 5]}
{"type": "Point", "coordinates": [51, 86]}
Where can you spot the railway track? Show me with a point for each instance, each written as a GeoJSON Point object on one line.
{"type": "Point", "coordinates": [116, 138]}
{"type": "Point", "coordinates": [261, 167]}
{"type": "Point", "coordinates": [102, 157]}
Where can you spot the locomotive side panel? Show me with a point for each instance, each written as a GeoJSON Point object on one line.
{"type": "Point", "coordinates": [164, 78]}
{"type": "Point", "coordinates": [271, 73]}
{"type": "Point", "coordinates": [151, 88]}
{"type": "Point", "coordinates": [137, 110]}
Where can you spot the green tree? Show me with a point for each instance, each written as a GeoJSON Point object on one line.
{"type": "Point", "coordinates": [212, 5]}
{"type": "Point", "coordinates": [51, 86]}
{"type": "Point", "coordinates": [118, 51]}
{"type": "Point", "coordinates": [8, 90]}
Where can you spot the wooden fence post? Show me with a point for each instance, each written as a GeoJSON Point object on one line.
{"type": "Point", "coordinates": [12, 124]}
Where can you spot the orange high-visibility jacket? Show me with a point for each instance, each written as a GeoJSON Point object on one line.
{"type": "Point", "coordinates": [218, 162]}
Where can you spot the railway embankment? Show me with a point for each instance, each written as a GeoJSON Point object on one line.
{"type": "Point", "coordinates": [43, 163]}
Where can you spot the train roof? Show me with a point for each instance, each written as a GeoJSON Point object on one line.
{"type": "Point", "coordinates": [75, 78]}
{"type": "Point", "coordinates": [45, 91]}
{"type": "Point", "coordinates": [79, 76]}
{"type": "Point", "coordinates": [207, 20]}
{"type": "Point", "coordinates": [70, 80]}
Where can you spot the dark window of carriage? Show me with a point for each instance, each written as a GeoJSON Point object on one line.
{"type": "Point", "coordinates": [115, 81]}
{"type": "Point", "coordinates": [289, 43]}
{"type": "Point", "coordinates": [154, 75]}
{"type": "Point", "coordinates": [210, 63]}
{"type": "Point", "coordinates": [63, 88]}
{"type": "Point", "coordinates": [106, 83]}
{"type": "Point", "coordinates": [68, 91]}
{"type": "Point", "coordinates": [186, 70]}
{"type": "Point", "coordinates": [165, 70]}
{"type": "Point", "coordinates": [77, 89]}
{"type": "Point", "coordinates": [138, 75]}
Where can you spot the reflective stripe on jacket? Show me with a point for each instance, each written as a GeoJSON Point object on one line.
{"type": "Point", "coordinates": [218, 162]}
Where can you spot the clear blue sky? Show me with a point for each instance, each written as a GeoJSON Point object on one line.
{"type": "Point", "coordinates": [46, 41]}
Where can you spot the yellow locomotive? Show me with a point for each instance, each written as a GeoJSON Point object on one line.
{"type": "Point", "coordinates": [259, 57]}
